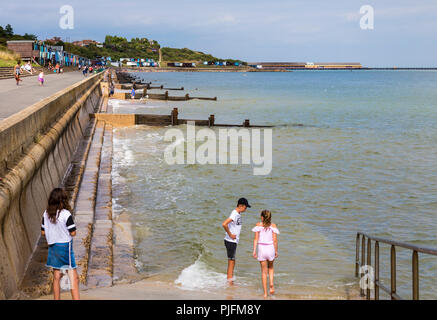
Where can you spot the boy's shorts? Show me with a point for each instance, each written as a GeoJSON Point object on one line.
{"type": "Point", "coordinates": [231, 248]}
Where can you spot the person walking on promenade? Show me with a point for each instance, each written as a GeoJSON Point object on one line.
{"type": "Point", "coordinates": [85, 71]}
{"type": "Point", "coordinates": [59, 229]}
{"type": "Point", "coordinates": [232, 226]}
{"type": "Point", "coordinates": [111, 89]}
{"type": "Point", "coordinates": [132, 94]}
{"type": "Point", "coordinates": [41, 78]}
{"type": "Point", "coordinates": [17, 72]}
{"type": "Point", "coordinates": [267, 242]}
{"type": "Point", "coordinates": [28, 67]}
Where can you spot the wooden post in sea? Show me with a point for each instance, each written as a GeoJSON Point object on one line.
{"type": "Point", "coordinates": [162, 86]}
{"type": "Point", "coordinates": [211, 120]}
{"type": "Point", "coordinates": [166, 95]}
{"type": "Point", "coordinates": [187, 97]}
{"type": "Point", "coordinates": [174, 117]}
{"type": "Point", "coordinates": [144, 92]}
{"type": "Point", "coordinates": [246, 123]}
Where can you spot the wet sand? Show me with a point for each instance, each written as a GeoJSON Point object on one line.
{"type": "Point", "coordinates": [155, 290]}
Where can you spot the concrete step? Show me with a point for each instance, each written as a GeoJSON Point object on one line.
{"type": "Point", "coordinates": [101, 255]}
{"type": "Point", "coordinates": [111, 250]}
{"type": "Point", "coordinates": [85, 205]}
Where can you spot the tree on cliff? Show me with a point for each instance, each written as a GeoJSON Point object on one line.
{"type": "Point", "coordinates": [9, 32]}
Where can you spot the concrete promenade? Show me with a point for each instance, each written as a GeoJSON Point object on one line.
{"type": "Point", "coordinates": [15, 98]}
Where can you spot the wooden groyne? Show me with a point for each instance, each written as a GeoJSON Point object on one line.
{"type": "Point", "coordinates": [154, 119]}
{"type": "Point", "coordinates": [129, 86]}
{"type": "Point", "coordinates": [123, 120]}
{"type": "Point", "coordinates": [124, 80]}
{"type": "Point", "coordinates": [158, 96]}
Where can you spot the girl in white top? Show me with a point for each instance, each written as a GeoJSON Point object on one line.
{"type": "Point", "coordinates": [267, 242]}
{"type": "Point", "coordinates": [41, 78]}
{"type": "Point", "coordinates": [58, 227]}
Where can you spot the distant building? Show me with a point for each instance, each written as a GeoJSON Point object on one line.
{"type": "Point", "coordinates": [277, 65]}
{"type": "Point", "coordinates": [54, 39]}
{"type": "Point", "coordinates": [333, 65]}
{"type": "Point", "coordinates": [25, 48]}
{"type": "Point", "coordinates": [305, 65]}
{"type": "Point", "coordinates": [86, 43]}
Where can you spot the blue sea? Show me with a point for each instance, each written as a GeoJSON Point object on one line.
{"type": "Point", "coordinates": [352, 151]}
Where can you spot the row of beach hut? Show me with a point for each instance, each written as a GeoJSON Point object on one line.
{"type": "Point", "coordinates": [43, 53]}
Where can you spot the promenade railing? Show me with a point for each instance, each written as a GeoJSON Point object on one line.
{"type": "Point", "coordinates": [364, 264]}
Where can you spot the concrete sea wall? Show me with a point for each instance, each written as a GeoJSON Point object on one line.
{"type": "Point", "coordinates": [36, 147]}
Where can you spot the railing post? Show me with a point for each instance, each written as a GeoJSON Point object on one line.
{"type": "Point", "coordinates": [376, 270]}
{"type": "Point", "coordinates": [357, 255]}
{"type": "Point", "coordinates": [415, 276]}
{"type": "Point", "coordinates": [393, 271]}
{"type": "Point", "coordinates": [363, 257]}
{"type": "Point", "coordinates": [369, 263]}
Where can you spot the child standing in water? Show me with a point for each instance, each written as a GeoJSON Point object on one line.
{"type": "Point", "coordinates": [232, 226]}
{"type": "Point", "coordinates": [58, 227]}
{"type": "Point", "coordinates": [267, 242]}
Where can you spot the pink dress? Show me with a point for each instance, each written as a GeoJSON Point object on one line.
{"type": "Point", "coordinates": [266, 248]}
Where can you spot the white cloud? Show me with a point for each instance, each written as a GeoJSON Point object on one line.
{"type": "Point", "coordinates": [223, 20]}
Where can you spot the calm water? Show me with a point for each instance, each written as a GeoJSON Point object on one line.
{"type": "Point", "coordinates": [352, 151]}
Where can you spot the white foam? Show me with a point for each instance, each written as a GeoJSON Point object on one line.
{"type": "Point", "coordinates": [200, 276]}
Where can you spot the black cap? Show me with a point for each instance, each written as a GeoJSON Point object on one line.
{"type": "Point", "coordinates": [244, 202]}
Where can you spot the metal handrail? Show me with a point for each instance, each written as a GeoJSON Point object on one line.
{"type": "Point", "coordinates": [377, 283]}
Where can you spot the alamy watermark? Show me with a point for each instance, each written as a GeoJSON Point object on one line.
{"type": "Point", "coordinates": [368, 18]}
{"type": "Point", "coordinates": [67, 19]}
{"type": "Point", "coordinates": [256, 147]}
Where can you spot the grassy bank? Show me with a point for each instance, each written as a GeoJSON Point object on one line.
{"type": "Point", "coordinates": [8, 58]}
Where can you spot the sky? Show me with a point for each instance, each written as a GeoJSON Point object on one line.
{"type": "Point", "coordinates": [404, 31]}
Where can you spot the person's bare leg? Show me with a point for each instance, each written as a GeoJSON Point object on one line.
{"type": "Point", "coordinates": [231, 265]}
{"type": "Point", "coordinates": [264, 276]}
{"type": "Point", "coordinates": [57, 284]}
{"type": "Point", "coordinates": [74, 281]}
{"type": "Point", "coordinates": [271, 275]}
